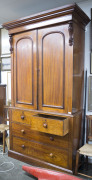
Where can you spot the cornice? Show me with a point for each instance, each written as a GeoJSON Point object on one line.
{"type": "Point", "coordinates": [45, 15]}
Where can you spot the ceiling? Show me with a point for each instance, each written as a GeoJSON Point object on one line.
{"type": "Point", "coordinates": [14, 9]}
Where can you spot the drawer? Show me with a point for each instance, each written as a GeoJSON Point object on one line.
{"type": "Point", "coordinates": [50, 124]}
{"type": "Point", "coordinates": [21, 116]}
{"type": "Point", "coordinates": [43, 152]}
{"type": "Point", "coordinates": [24, 131]}
{"type": "Point", "coordinates": [21, 130]}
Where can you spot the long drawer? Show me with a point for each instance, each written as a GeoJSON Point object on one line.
{"type": "Point", "coordinates": [24, 131]}
{"type": "Point", "coordinates": [43, 152]}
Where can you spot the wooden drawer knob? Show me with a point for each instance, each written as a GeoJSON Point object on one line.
{"type": "Point", "coordinates": [23, 146]}
{"type": "Point", "coordinates": [22, 131]}
{"type": "Point", "coordinates": [51, 155]}
{"type": "Point", "coordinates": [22, 117]}
{"type": "Point", "coordinates": [45, 125]}
{"type": "Point", "coordinates": [52, 138]}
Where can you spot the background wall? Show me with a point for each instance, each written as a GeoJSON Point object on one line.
{"type": "Point", "coordinates": [86, 7]}
{"type": "Point", "coordinates": [5, 63]}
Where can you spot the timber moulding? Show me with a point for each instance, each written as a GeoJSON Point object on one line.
{"type": "Point", "coordinates": [50, 14]}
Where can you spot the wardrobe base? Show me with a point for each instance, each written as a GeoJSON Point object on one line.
{"type": "Point", "coordinates": [36, 162]}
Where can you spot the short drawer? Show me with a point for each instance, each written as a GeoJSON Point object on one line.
{"type": "Point", "coordinates": [43, 152]}
{"type": "Point", "coordinates": [24, 131]}
{"type": "Point", "coordinates": [21, 116]}
{"type": "Point", "coordinates": [21, 130]}
{"type": "Point", "coordinates": [50, 124]}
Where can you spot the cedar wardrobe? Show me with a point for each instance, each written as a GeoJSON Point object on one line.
{"type": "Point", "coordinates": [47, 54]}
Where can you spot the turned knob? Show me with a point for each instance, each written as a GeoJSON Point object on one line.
{"type": "Point", "coordinates": [22, 117]}
{"type": "Point", "coordinates": [51, 155]}
{"type": "Point", "coordinates": [22, 131]}
{"type": "Point", "coordinates": [45, 125]}
{"type": "Point", "coordinates": [23, 146]}
{"type": "Point", "coordinates": [52, 138]}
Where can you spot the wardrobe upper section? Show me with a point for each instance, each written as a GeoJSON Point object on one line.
{"type": "Point", "coordinates": [48, 60]}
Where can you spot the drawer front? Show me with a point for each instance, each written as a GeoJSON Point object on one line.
{"type": "Point", "coordinates": [42, 152]}
{"type": "Point", "coordinates": [57, 126]}
{"type": "Point", "coordinates": [21, 116]}
{"type": "Point", "coordinates": [24, 131]}
{"type": "Point", "coordinates": [21, 130]}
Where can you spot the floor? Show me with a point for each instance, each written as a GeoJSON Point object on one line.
{"type": "Point", "coordinates": [86, 170]}
{"type": "Point", "coordinates": [11, 169]}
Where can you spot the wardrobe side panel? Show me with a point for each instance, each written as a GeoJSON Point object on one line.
{"type": "Point", "coordinates": [78, 67]}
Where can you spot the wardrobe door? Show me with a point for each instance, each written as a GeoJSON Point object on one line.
{"type": "Point", "coordinates": [53, 48]}
{"type": "Point", "coordinates": [25, 70]}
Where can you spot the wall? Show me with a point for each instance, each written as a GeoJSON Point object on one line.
{"type": "Point", "coordinates": [5, 65]}
{"type": "Point", "coordinates": [86, 7]}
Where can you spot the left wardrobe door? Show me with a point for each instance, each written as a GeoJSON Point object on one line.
{"type": "Point", "coordinates": [25, 69]}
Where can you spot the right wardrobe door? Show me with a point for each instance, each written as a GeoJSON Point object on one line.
{"type": "Point", "coordinates": [53, 48]}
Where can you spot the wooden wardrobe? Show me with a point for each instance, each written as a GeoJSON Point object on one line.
{"type": "Point", "coordinates": [47, 52]}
